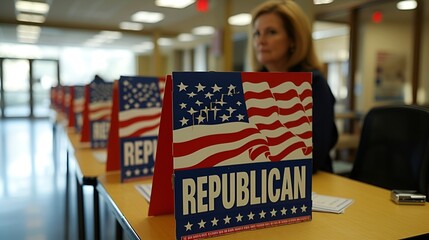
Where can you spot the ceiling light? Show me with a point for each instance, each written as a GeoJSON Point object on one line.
{"type": "Point", "coordinates": [131, 26]}
{"type": "Point", "coordinates": [203, 30]}
{"type": "Point", "coordinates": [33, 7]}
{"type": "Point", "coordinates": [241, 19]}
{"type": "Point", "coordinates": [174, 3]}
{"type": "Point", "coordinates": [165, 42]}
{"type": "Point", "coordinates": [103, 37]}
{"type": "Point", "coordinates": [111, 34]}
{"type": "Point", "coordinates": [27, 40]}
{"type": "Point", "coordinates": [318, 2]}
{"type": "Point", "coordinates": [28, 34]}
{"type": "Point", "coordinates": [92, 43]}
{"type": "Point", "coordinates": [28, 29]}
{"type": "Point", "coordinates": [185, 37]}
{"type": "Point", "coordinates": [147, 17]}
{"type": "Point", "coordinates": [143, 47]}
{"type": "Point", "coordinates": [36, 18]}
{"type": "Point", "coordinates": [406, 5]}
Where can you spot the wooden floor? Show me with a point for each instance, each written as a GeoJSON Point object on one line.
{"type": "Point", "coordinates": [33, 186]}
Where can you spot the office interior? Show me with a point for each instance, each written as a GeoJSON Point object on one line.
{"type": "Point", "coordinates": [374, 54]}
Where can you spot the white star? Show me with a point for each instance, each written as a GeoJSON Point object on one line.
{"type": "Point", "coordinates": [293, 209]}
{"type": "Point", "coordinates": [283, 211]}
{"type": "Point", "coordinates": [200, 87]}
{"type": "Point", "coordinates": [184, 121]}
{"type": "Point", "coordinates": [224, 118]}
{"type": "Point", "coordinates": [191, 95]}
{"type": "Point", "coordinates": [191, 111]}
{"type": "Point", "coordinates": [239, 217]}
{"type": "Point", "coordinates": [303, 208]}
{"type": "Point", "coordinates": [231, 88]}
{"type": "Point", "coordinates": [182, 105]}
{"type": "Point", "coordinates": [239, 103]}
{"type": "Point", "coordinates": [273, 213]}
{"type": "Point", "coordinates": [128, 173]}
{"type": "Point", "coordinates": [145, 171]}
{"type": "Point", "coordinates": [262, 214]}
{"type": "Point", "coordinates": [188, 226]}
{"type": "Point", "coordinates": [214, 222]}
{"type": "Point", "coordinates": [182, 87]}
{"type": "Point", "coordinates": [240, 117]}
{"type": "Point", "coordinates": [137, 172]}
{"type": "Point", "coordinates": [227, 219]}
{"type": "Point", "coordinates": [202, 224]}
{"type": "Point", "coordinates": [230, 110]}
{"type": "Point", "coordinates": [216, 88]}
{"type": "Point", "coordinates": [198, 103]}
{"type": "Point", "coordinates": [200, 118]}
{"type": "Point", "coordinates": [209, 95]}
{"type": "Point", "coordinates": [250, 215]}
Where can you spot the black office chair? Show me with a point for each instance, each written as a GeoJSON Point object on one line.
{"type": "Point", "coordinates": [393, 151]}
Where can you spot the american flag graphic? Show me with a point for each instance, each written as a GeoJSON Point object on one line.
{"type": "Point", "coordinates": [100, 100]}
{"type": "Point", "coordinates": [78, 105]}
{"type": "Point", "coordinates": [234, 118]}
{"type": "Point", "coordinates": [79, 98]}
{"type": "Point", "coordinates": [140, 106]}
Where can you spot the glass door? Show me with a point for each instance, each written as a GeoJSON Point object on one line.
{"type": "Point", "coordinates": [25, 86]}
{"type": "Point", "coordinates": [16, 88]}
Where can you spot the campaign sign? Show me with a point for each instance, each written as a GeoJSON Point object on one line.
{"type": "Point", "coordinates": [78, 103]}
{"type": "Point", "coordinates": [242, 151]}
{"type": "Point", "coordinates": [100, 103]}
{"type": "Point", "coordinates": [139, 118]}
{"type": "Point", "coordinates": [66, 99]}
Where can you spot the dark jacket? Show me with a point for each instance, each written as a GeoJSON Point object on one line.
{"type": "Point", "coordinates": [325, 134]}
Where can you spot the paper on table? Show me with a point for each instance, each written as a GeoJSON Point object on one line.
{"type": "Point", "coordinates": [323, 203]}
{"type": "Point", "coordinates": [100, 156]}
{"type": "Point", "coordinates": [145, 190]}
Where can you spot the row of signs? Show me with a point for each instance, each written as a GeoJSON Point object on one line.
{"type": "Point", "coordinates": [226, 151]}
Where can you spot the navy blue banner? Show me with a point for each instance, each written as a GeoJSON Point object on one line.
{"type": "Point", "coordinates": [99, 133]}
{"type": "Point", "coordinates": [78, 101]}
{"type": "Point", "coordinates": [219, 200]}
{"type": "Point", "coordinates": [138, 157]}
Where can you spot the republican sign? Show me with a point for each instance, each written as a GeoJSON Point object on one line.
{"type": "Point", "coordinates": [242, 151]}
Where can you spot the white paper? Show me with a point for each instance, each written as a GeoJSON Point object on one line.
{"type": "Point", "coordinates": [100, 156]}
{"type": "Point", "coordinates": [324, 203]}
{"type": "Point", "coordinates": [145, 190]}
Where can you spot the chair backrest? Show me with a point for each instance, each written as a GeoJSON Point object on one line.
{"type": "Point", "coordinates": [393, 151]}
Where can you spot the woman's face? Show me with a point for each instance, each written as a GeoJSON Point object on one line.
{"type": "Point", "coordinates": [270, 41]}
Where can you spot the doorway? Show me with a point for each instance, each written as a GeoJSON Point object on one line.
{"type": "Point", "coordinates": [25, 86]}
